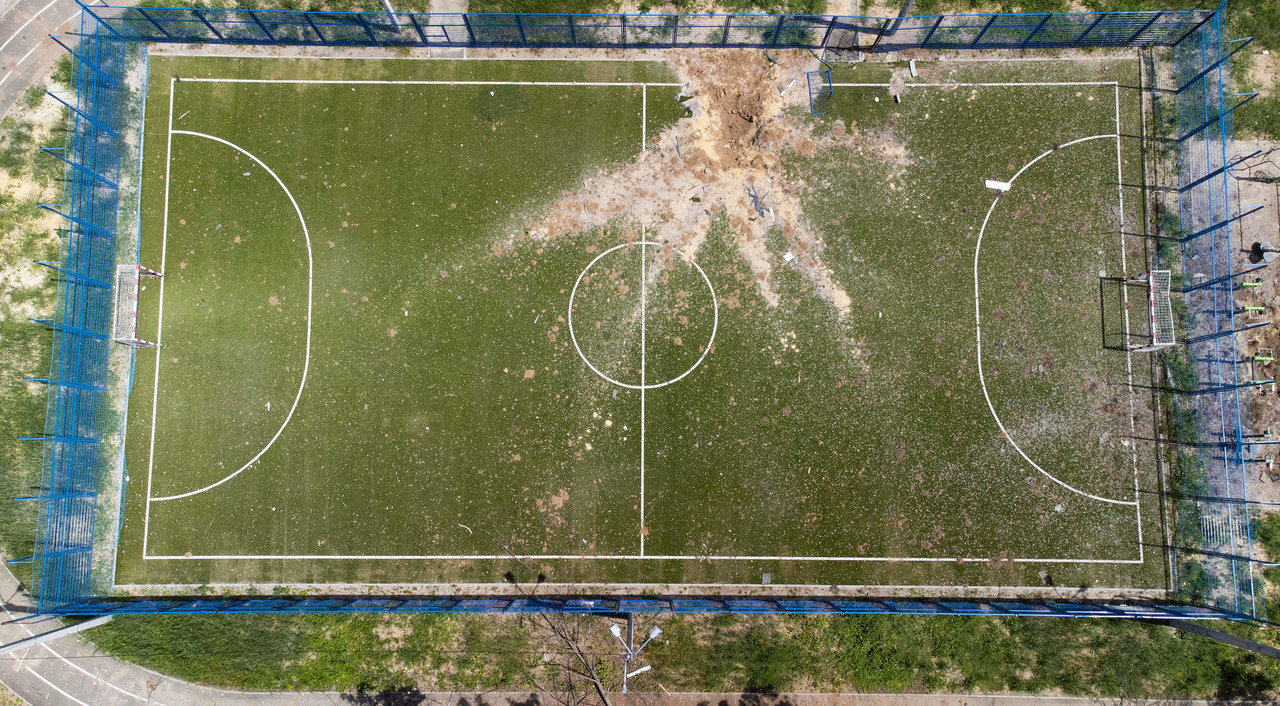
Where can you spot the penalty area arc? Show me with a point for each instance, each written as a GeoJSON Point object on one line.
{"type": "Point", "coordinates": [306, 360]}
{"type": "Point", "coordinates": [977, 311]}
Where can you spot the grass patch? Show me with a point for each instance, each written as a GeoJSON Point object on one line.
{"type": "Point", "coordinates": [770, 654]}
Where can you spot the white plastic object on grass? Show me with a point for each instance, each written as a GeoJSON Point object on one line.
{"type": "Point", "coordinates": [999, 185]}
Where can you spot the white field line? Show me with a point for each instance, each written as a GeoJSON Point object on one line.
{"type": "Point", "coordinates": [644, 116]}
{"type": "Point", "coordinates": [1124, 268]}
{"type": "Point", "coordinates": [411, 82]}
{"type": "Point", "coordinates": [975, 85]}
{"type": "Point", "coordinates": [651, 557]}
{"type": "Point", "coordinates": [162, 50]}
{"type": "Point", "coordinates": [642, 387]}
{"type": "Point", "coordinates": [977, 311]}
{"type": "Point", "coordinates": [306, 363]}
{"type": "Point", "coordinates": [155, 384]}
{"type": "Point", "coordinates": [643, 303]}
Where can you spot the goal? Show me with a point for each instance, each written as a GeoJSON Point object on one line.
{"type": "Point", "coordinates": [125, 326]}
{"type": "Point", "coordinates": [1159, 308]}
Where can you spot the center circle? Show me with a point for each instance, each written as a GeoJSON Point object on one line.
{"type": "Point", "coordinates": [618, 277]}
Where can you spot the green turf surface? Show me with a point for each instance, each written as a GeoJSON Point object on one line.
{"type": "Point", "coordinates": [447, 420]}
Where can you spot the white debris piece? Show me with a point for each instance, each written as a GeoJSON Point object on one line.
{"type": "Point", "coordinates": [999, 185]}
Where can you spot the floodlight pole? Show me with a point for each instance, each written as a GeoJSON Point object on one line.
{"type": "Point", "coordinates": [630, 654]}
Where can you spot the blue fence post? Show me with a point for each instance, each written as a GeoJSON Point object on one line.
{"type": "Point", "coordinates": [470, 32]}
{"type": "Point", "coordinates": [520, 26]}
{"type": "Point", "coordinates": [422, 36]}
{"type": "Point", "coordinates": [984, 31]}
{"type": "Point", "coordinates": [92, 120]}
{"type": "Point", "coordinates": [777, 31]}
{"type": "Point", "coordinates": [884, 29]}
{"type": "Point", "coordinates": [85, 62]}
{"type": "Point", "coordinates": [254, 16]}
{"type": "Point", "coordinates": [315, 27]}
{"type": "Point", "coordinates": [573, 31]}
{"type": "Point", "coordinates": [1145, 27]}
{"type": "Point", "coordinates": [365, 23]}
{"type": "Point", "coordinates": [81, 168]}
{"type": "Point", "coordinates": [728, 22]}
{"type": "Point", "coordinates": [675, 29]}
{"type": "Point", "coordinates": [89, 11]}
{"type": "Point", "coordinates": [1101, 17]}
{"type": "Point", "coordinates": [201, 16]}
{"type": "Point", "coordinates": [831, 25]}
{"type": "Point", "coordinates": [624, 30]}
{"type": "Point", "coordinates": [143, 12]}
{"type": "Point", "coordinates": [932, 29]}
{"type": "Point", "coordinates": [1036, 31]}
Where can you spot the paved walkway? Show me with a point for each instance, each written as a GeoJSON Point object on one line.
{"type": "Point", "coordinates": [26, 52]}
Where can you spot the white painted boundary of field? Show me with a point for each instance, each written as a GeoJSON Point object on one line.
{"type": "Point", "coordinates": [642, 556]}
{"type": "Point", "coordinates": [644, 296]}
{"type": "Point", "coordinates": [423, 82]}
{"type": "Point", "coordinates": [980, 85]}
{"type": "Point", "coordinates": [155, 383]}
{"type": "Point", "coordinates": [632, 557]}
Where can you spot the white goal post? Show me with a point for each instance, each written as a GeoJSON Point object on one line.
{"type": "Point", "coordinates": [124, 327]}
{"type": "Point", "coordinates": [1159, 309]}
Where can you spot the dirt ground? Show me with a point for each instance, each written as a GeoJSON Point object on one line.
{"type": "Point", "coordinates": [1263, 226]}
{"type": "Point", "coordinates": [725, 160]}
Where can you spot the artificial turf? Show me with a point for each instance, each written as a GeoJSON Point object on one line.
{"type": "Point", "coordinates": [449, 423]}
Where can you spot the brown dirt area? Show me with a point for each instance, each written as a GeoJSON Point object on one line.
{"type": "Point", "coordinates": [724, 161]}
{"type": "Point", "coordinates": [1263, 226]}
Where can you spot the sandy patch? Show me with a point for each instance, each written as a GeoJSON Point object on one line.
{"type": "Point", "coordinates": [724, 160]}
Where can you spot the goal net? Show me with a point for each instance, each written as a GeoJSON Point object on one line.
{"type": "Point", "coordinates": [1160, 310]}
{"type": "Point", "coordinates": [124, 329]}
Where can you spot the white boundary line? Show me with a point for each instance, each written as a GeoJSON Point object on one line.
{"type": "Point", "coordinates": [306, 363]}
{"type": "Point", "coordinates": [162, 50]}
{"type": "Point", "coordinates": [424, 82]}
{"type": "Point", "coordinates": [644, 118]}
{"type": "Point", "coordinates": [633, 557]}
{"type": "Point", "coordinates": [978, 85]}
{"type": "Point", "coordinates": [461, 557]}
{"type": "Point", "coordinates": [644, 295]}
{"type": "Point", "coordinates": [1124, 268]}
{"type": "Point", "coordinates": [155, 383]}
{"type": "Point", "coordinates": [977, 312]}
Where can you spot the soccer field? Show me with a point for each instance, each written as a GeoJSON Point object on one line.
{"type": "Point", "coordinates": [426, 321]}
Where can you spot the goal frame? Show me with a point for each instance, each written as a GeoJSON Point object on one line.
{"type": "Point", "coordinates": [124, 323]}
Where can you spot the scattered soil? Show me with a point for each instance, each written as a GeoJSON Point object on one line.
{"type": "Point", "coordinates": [725, 160]}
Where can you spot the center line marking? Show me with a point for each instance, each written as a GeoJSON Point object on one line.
{"type": "Point", "coordinates": [643, 296]}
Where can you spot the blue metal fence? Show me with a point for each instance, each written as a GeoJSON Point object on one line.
{"type": "Point", "coordinates": [614, 606]}
{"type": "Point", "coordinates": [979, 31]}
{"type": "Point", "coordinates": [1214, 536]}
{"type": "Point", "coordinates": [90, 205]}
{"type": "Point", "coordinates": [81, 325]}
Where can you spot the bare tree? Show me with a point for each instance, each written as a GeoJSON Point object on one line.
{"type": "Point", "coordinates": [573, 677]}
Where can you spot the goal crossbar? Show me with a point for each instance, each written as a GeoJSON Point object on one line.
{"type": "Point", "coordinates": [1159, 308]}
{"type": "Point", "coordinates": [124, 328]}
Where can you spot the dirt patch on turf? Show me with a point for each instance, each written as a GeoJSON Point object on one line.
{"type": "Point", "coordinates": [725, 160]}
